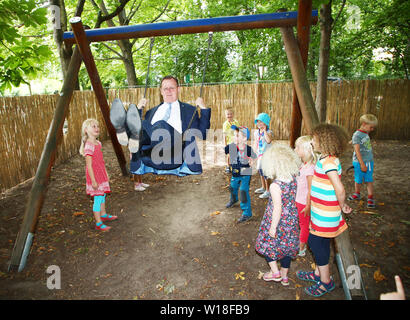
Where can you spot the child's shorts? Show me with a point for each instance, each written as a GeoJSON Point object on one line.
{"type": "Point", "coordinates": [359, 175]}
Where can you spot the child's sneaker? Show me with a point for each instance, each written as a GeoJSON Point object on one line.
{"type": "Point", "coordinates": [260, 190]}
{"type": "Point", "coordinates": [302, 253]}
{"type": "Point", "coordinates": [354, 196]}
{"type": "Point", "coordinates": [139, 187]}
{"type": "Point", "coordinates": [264, 195]}
{"type": "Point", "coordinates": [370, 203]}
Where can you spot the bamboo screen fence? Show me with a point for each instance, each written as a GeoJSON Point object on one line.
{"type": "Point", "coordinates": [25, 120]}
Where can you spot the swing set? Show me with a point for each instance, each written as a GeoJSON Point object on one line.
{"type": "Point", "coordinates": [302, 106]}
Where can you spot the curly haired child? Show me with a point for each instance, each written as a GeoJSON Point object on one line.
{"type": "Point", "coordinates": [97, 182]}
{"type": "Point", "coordinates": [278, 237]}
{"type": "Point", "coordinates": [327, 204]}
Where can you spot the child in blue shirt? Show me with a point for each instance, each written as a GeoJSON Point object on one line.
{"type": "Point", "coordinates": [363, 158]}
{"type": "Point", "coordinates": [240, 157]}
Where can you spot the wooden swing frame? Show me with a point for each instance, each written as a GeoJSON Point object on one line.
{"type": "Point", "coordinates": [302, 107]}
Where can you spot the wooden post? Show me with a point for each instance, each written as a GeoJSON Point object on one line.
{"type": "Point", "coordinates": [303, 37]}
{"type": "Point", "coordinates": [40, 182]}
{"type": "Point", "coordinates": [89, 62]}
{"type": "Point", "coordinates": [307, 106]}
{"type": "Point", "coordinates": [310, 118]}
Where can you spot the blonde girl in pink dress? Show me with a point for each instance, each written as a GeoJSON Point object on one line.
{"type": "Point", "coordinates": [304, 149]}
{"type": "Point", "coordinates": [97, 182]}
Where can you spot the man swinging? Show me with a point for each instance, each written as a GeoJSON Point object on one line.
{"type": "Point", "coordinates": [164, 142]}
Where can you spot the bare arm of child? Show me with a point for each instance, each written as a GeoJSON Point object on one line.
{"type": "Point", "coordinates": [268, 136]}
{"type": "Point", "coordinates": [277, 208]}
{"type": "Point", "coordinates": [356, 148]}
{"type": "Point", "coordinates": [306, 210]}
{"type": "Point", "coordinates": [339, 190]}
{"type": "Point", "coordinates": [88, 163]}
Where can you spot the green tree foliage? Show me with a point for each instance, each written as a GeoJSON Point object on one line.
{"type": "Point", "coordinates": [361, 28]}
{"type": "Point", "coordinates": [21, 57]}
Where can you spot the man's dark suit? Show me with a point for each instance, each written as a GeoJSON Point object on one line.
{"type": "Point", "coordinates": [189, 151]}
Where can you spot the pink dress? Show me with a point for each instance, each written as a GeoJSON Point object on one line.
{"type": "Point", "coordinates": [98, 165]}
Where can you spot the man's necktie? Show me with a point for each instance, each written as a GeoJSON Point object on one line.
{"type": "Point", "coordinates": [167, 112]}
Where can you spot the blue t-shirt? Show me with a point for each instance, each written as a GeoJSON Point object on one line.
{"type": "Point", "coordinates": [363, 140]}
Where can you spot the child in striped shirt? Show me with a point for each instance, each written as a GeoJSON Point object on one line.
{"type": "Point", "coordinates": [327, 203]}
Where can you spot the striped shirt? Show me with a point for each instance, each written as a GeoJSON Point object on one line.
{"type": "Point", "coordinates": [326, 215]}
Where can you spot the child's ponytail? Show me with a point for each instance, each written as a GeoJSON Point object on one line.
{"type": "Point", "coordinates": [84, 135]}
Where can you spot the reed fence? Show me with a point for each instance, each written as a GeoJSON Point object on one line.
{"type": "Point", "coordinates": [25, 120]}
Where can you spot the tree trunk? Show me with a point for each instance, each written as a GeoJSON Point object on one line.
{"type": "Point", "coordinates": [126, 48]}
{"type": "Point", "coordinates": [325, 34]}
{"type": "Point", "coordinates": [64, 52]}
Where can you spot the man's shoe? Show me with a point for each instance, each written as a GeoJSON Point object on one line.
{"type": "Point", "coordinates": [117, 117]}
{"type": "Point", "coordinates": [134, 124]}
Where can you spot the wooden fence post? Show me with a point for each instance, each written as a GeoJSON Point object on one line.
{"type": "Point", "coordinates": [39, 188]}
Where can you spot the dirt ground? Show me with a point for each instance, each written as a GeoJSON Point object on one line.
{"type": "Point", "coordinates": [176, 240]}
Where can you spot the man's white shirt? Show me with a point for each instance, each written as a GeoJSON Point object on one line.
{"type": "Point", "coordinates": [175, 116]}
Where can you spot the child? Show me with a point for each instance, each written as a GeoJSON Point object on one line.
{"type": "Point", "coordinates": [97, 182]}
{"type": "Point", "coordinates": [278, 237]}
{"type": "Point", "coordinates": [304, 150]}
{"type": "Point", "coordinates": [327, 203]}
{"type": "Point", "coordinates": [363, 158]}
{"type": "Point", "coordinates": [263, 136]}
{"type": "Point", "coordinates": [240, 155]}
{"type": "Point", "coordinates": [228, 132]}
{"type": "Point", "coordinates": [138, 185]}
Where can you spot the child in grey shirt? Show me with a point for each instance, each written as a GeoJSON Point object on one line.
{"type": "Point", "coordinates": [363, 158]}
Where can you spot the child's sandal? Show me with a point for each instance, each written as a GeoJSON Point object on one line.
{"type": "Point", "coordinates": [102, 227]}
{"type": "Point", "coordinates": [307, 276]}
{"type": "Point", "coordinates": [108, 217]}
{"type": "Point", "coordinates": [272, 276]}
{"type": "Point", "coordinates": [316, 290]}
{"type": "Point", "coordinates": [285, 282]}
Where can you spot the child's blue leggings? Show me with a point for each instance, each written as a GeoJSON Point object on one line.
{"type": "Point", "coordinates": [98, 200]}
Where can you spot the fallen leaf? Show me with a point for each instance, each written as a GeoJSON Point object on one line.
{"type": "Point", "coordinates": [214, 233]}
{"type": "Point", "coordinates": [215, 213]}
{"type": "Point", "coordinates": [365, 265]}
{"type": "Point", "coordinates": [378, 276]}
{"type": "Point", "coordinates": [78, 213]}
{"type": "Point", "coordinates": [260, 275]}
{"type": "Point", "coordinates": [240, 275]}
{"type": "Point", "coordinates": [391, 244]}
{"type": "Point", "coordinates": [236, 244]}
